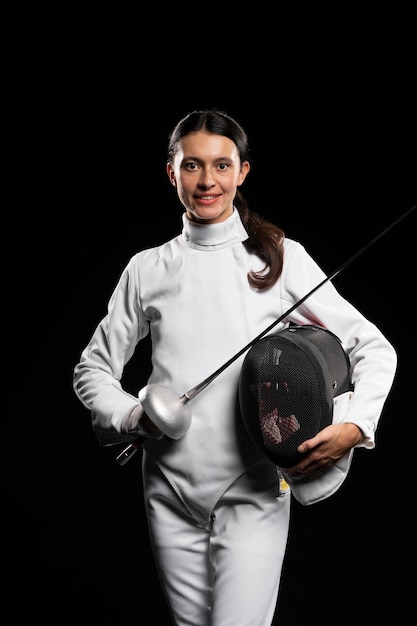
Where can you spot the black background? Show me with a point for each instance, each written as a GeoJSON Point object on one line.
{"type": "Point", "coordinates": [82, 198]}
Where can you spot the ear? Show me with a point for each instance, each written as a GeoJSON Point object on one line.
{"type": "Point", "coordinates": [171, 174]}
{"type": "Point", "coordinates": [244, 171]}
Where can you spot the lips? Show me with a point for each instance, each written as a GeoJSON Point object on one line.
{"type": "Point", "coordinates": [207, 199]}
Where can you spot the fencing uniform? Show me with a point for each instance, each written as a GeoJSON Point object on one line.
{"type": "Point", "coordinates": [218, 525]}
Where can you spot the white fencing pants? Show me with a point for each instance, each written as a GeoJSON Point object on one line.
{"type": "Point", "coordinates": [226, 572]}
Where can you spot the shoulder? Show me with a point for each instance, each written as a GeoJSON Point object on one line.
{"type": "Point", "coordinates": [154, 254]}
{"type": "Point", "coordinates": [294, 247]}
{"type": "Point", "coordinates": [299, 263]}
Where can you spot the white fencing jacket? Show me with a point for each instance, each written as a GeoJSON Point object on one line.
{"type": "Point", "coordinates": [192, 294]}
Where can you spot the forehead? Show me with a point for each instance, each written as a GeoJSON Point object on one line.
{"type": "Point", "coordinates": [207, 146]}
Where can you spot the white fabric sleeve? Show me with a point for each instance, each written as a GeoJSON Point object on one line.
{"type": "Point", "coordinates": [373, 359]}
{"type": "Point", "coordinates": [97, 375]}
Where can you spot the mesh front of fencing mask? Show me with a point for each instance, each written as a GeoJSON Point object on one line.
{"type": "Point", "coordinates": [287, 385]}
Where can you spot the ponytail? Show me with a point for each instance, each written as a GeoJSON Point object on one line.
{"type": "Point", "coordinates": [266, 241]}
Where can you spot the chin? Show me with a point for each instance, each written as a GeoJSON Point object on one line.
{"type": "Point", "coordinates": [206, 215]}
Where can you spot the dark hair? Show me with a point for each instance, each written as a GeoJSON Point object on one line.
{"type": "Point", "coordinates": [265, 239]}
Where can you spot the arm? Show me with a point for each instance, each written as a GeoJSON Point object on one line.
{"type": "Point", "coordinates": [115, 412]}
{"type": "Point", "coordinates": [373, 365]}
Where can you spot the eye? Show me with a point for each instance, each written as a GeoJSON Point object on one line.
{"type": "Point", "coordinates": [190, 166]}
{"type": "Point", "coordinates": [223, 166]}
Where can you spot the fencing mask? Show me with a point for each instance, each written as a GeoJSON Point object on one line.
{"type": "Point", "coordinates": [287, 385]}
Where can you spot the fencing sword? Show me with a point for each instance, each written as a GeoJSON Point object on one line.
{"type": "Point", "coordinates": [161, 404]}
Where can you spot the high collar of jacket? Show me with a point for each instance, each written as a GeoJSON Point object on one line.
{"type": "Point", "coordinates": [214, 236]}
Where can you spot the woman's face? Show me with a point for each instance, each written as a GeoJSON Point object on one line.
{"type": "Point", "coordinates": [206, 172]}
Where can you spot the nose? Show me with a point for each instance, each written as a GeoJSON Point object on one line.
{"type": "Point", "coordinates": [206, 179]}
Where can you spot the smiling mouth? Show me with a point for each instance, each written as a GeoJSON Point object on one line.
{"type": "Point", "coordinates": [207, 197]}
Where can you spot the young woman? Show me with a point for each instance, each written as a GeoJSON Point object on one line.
{"type": "Point", "coordinates": [218, 526]}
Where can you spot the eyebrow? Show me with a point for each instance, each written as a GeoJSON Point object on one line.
{"type": "Point", "coordinates": [217, 159]}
